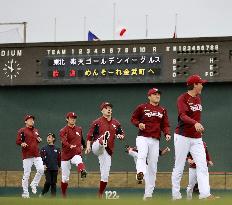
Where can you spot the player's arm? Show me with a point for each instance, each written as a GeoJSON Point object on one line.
{"type": "Point", "coordinates": [20, 139]}
{"type": "Point", "coordinates": [182, 112]}
{"type": "Point", "coordinates": [165, 127]}
{"type": "Point", "coordinates": [63, 138]}
{"type": "Point", "coordinates": [59, 157]}
{"type": "Point", "coordinates": [136, 118]}
{"type": "Point", "coordinates": [91, 135]}
{"type": "Point", "coordinates": [39, 139]}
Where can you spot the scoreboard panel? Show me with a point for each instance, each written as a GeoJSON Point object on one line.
{"type": "Point", "coordinates": [116, 62]}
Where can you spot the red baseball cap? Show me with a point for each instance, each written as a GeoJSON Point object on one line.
{"type": "Point", "coordinates": [28, 117]}
{"type": "Point", "coordinates": [195, 79]}
{"type": "Point", "coordinates": [153, 91]}
{"type": "Point", "coordinates": [105, 104]}
{"type": "Point", "coordinates": [71, 114]}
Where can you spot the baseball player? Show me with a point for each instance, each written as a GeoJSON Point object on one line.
{"type": "Point", "coordinates": [101, 135]}
{"type": "Point", "coordinates": [72, 146]}
{"type": "Point", "coordinates": [51, 157]}
{"type": "Point", "coordinates": [193, 173]}
{"type": "Point", "coordinates": [151, 119]}
{"type": "Point", "coordinates": [28, 138]}
{"type": "Point", "coordinates": [188, 138]}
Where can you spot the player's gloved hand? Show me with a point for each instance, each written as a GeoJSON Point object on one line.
{"type": "Point", "coordinates": [141, 126]}
{"type": "Point", "coordinates": [39, 139]}
{"type": "Point", "coordinates": [168, 137]}
{"type": "Point", "coordinates": [167, 149]}
{"type": "Point", "coordinates": [121, 137]}
{"type": "Point", "coordinates": [199, 128]}
{"type": "Point", "coordinates": [24, 144]}
{"type": "Point", "coordinates": [72, 146]}
{"type": "Point", "coordinates": [45, 167]}
{"type": "Point", "coordinates": [87, 150]}
{"type": "Point", "coordinates": [210, 163]}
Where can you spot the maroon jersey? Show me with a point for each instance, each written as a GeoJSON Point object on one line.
{"type": "Point", "coordinates": [155, 119]}
{"type": "Point", "coordinates": [100, 126]}
{"type": "Point", "coordinates": [189, 113]}
{"type": "Point", "coordinates": [208, 158]}
{"type": "Point", "coordinates": [29, 136]}
{"type": "Point", "coordinates": [71, 136]}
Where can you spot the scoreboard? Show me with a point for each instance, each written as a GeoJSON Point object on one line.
{"type": "Point", "coordinates": [116, 62]}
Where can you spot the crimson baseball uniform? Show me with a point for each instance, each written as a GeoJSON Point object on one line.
{"type": "Point", "coordinates": [188, 139]}
{"type": "Point", "coordinates": [30, 156]}
{"type": "Point", "coordinates": [156, 121]}
{"type": "Point", "coordinates": [193, 173]}
{"type": "Point", "coordinates": [189, 113]}
{"type": "Point", "coordinates": [71, 135]}
{"type": "Point", "coordinates": [97, 134]}
{"type": "Point", "coordinates": [113, 126]}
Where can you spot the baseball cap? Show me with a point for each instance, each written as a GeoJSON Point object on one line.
{"type": "Point", "coordinates": [153, 91]}
{"type": "Point", "coordinates": [105, 104]}
{"type": "Point", "coordinates": [195, 79]}
{"type": "Point", "coordinates": [28, 117]}
{"type": "Point", "coordinates": [52, 134]}
{"type": "Point", "coordinates": [71, 114]}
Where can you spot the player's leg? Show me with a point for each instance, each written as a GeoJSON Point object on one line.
{"type": "Point", "coordinates": [77, 160]}
{"type": "Point", "coordinates": [65, 170]}
{"type": "Point", "coordinates": [152, 160]}
{"type": "Point", "coordinates": [97, 148]}
{"type": "Point", "coordinates": [39, 173]}
{"type": "Point", "coordinates": [53, 182]}
{"type": "Point", "coordinates": [192, 182]}
{"type": "Point", "coordinates": [27, 164]}
{"type": "Point", "coordinates": [142, 145]}
{"type": "Point", "coordinates": [197, 151]}
{"type": "Point", "coordinates": [47, 183]}
{"type": "Point", "coordinates": [182, 147]}
{"type": "Point", "coordinates": [105, 164]}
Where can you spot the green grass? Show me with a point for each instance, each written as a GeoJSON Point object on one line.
{"type": "Point", "coordinates": [122, 201]}
{"type": "Point", "coordinates": [127, 197]}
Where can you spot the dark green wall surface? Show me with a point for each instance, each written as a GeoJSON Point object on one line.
{"type": "Point", "coordinates": [50, 104]}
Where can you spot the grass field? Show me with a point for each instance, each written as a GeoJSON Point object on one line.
{"type": "Point", "coordinates": [126, 196]}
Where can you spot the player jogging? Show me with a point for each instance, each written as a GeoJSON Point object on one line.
{"type": "Point", "coordinates": [151, 119]}
{"type": "Point", "coordinates": [102, 134]}
{"type": "Point", "coordinates": [28, 138]}
{"type": "Point", "coordinates": [72, 146]}
{"type": "Point", "coordinates": [188, 138]}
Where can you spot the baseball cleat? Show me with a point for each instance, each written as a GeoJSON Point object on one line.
{"type": "Point", "coordinates": [189, 194]}
{"type": "Point", "coordinates": [212, 197]}
{"type": "Point", "coordinates": [25, 196]}
{"type": "Point", "coordinates": [83, 174]}
{"type": "Point", "coordinates": [139, 177]}
{"type": "Point", "coordinates": [174, 198]}
{"type": "Point", "coordinates": [146, 198]}
{"type": "Point", "coordinates": [33, 188]}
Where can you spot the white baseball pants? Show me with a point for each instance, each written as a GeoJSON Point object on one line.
{"type": "Point", "coordinates": [27, 164]}
{"type": "Point", "coordinates": [66, 167]}
{"type": "Point", "coordinates": [104, 160]}
{"type": "Point", "coordinates": [184, 145]}
{"type": "Point", "coordinates": [148, 151]}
